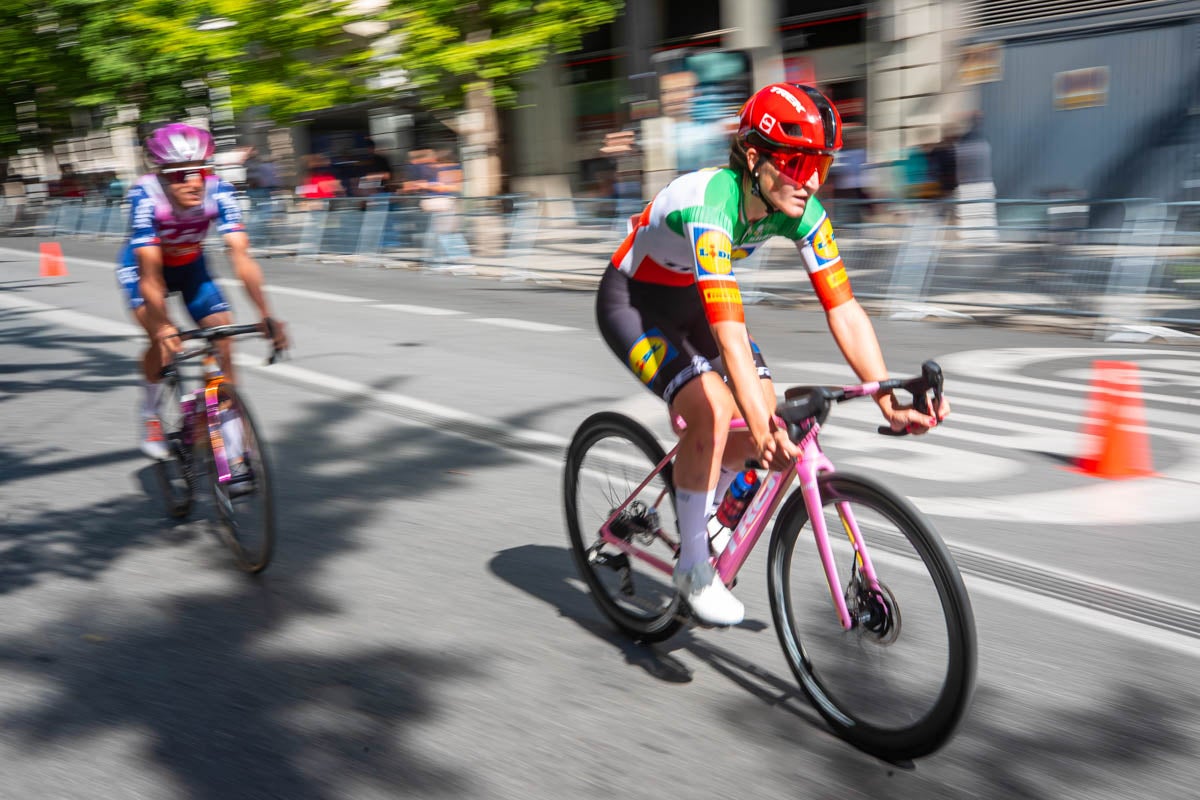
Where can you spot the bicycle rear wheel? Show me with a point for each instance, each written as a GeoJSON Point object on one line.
{"type": "Point", "coordinates": [609, 457]}
{"type": "Point", "coordinates": [899, 682]}
{"type": "Point", "coordinates": [245, 507]}
{"type": "Point", "coordinates": [176, 473]}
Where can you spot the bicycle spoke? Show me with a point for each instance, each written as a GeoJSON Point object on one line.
{"type": "Point", "coordinates": [609, 459]}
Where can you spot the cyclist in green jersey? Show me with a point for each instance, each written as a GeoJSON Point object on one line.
{"type": "Point", "coordinates": [671, 310]}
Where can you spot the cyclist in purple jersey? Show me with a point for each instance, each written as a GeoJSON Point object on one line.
{"type": "Point", "coordinates": [171, 211]}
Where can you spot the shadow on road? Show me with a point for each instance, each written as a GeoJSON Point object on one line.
{"type": "Point", "coordinates": [244, 693]}
{"type": "Point", "coordinates": [1046, 752]}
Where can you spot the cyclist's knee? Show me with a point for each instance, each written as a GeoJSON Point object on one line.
{"type": "Point", "coordinates": [706, 404]}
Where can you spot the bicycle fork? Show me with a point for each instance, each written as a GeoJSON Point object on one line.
{"type": "Point", "coordinates": [808, 467]}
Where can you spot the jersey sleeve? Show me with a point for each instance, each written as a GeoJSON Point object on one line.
{"type": "Point", "coordinates": [142, 225]}
{"type": "Point", "coordinates": [818, 248]}
{"type": "Point", "coordinates": [229, 212]}
{"type": "Point", "coordinates": [708, 228]}
{"type": "Point", "coordinates": [710, 237]}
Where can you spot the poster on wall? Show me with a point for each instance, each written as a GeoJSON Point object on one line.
{"type": "Point", "coordinates": [702, 91]}
{"type": "Point", "coordinates": [981, 63]}
{"type": "Point", "coordinates": [1080, 88]}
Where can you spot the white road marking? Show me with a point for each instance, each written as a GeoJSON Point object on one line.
{"type": "Point", "coordinates": [1003, 365]}
{"type": "Point", "coordinates": [71, 261]}
{"type": "Point", "coordinates": [428, 311]}
{"type": "Point", "coordinates": [307, 293]}
{"type": "Point", "coordinates": [72, 319]}
{"type": "Point", "coordinates": [524, 325]}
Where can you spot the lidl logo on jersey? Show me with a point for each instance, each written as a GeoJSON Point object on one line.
{"type": "Point", "coordinates": [824, 245]}
{"type": "Point", "coordinates": [743, 252]}
{"type": "Point", "coordinates": [648, 354]}
{"type": "Point", "coordinates": [713, 251]}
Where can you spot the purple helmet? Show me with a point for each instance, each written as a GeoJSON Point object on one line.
{"type": "Point", "coordinates": [178, 143]}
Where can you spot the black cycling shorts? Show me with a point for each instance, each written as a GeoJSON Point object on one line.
{"type": "Point", "coordinates": [660, 332]}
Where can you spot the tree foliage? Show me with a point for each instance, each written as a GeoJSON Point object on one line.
{"type": "Point", "coordinates": [451, 47]}
{"type": "Point", "coordinates": [72, 57]}
{"type": "Point", "coordinates": [285, 56]}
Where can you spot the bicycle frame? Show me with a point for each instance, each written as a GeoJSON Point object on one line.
{"type": "Point", "coordinates": [810, 464]}
{"type": "Point", "coordinates": [213, 379]}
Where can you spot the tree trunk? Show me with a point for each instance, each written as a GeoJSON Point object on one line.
{"type": "Point", "coordinates": [481, 169]}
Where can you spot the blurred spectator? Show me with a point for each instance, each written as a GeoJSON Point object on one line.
{"type": "Point", "coordinates": [445, 235]}
{"type": "Point", "coordinates": [943, 164]}
{"type": "Point", "coordinates": [975, 191]}
{"type": "Point", "coordinates": [622, 147]}
{"type": "Point", "coordinates": [419, 172]}
{"type": "Point", "coordinates": [919, 180]}
{"type": "Point", "coordinates": [114, 192]}
{"type": "Point", "coordinates": [68, 185]}
{"type": "Point", "coordinates": [375, 172]}
{"type": "Point", "coordinates": [321, 184]}
{"type": "Point", "coordinates": [848, 177]}
{"type": "Point", "coordinates": [262, 179]}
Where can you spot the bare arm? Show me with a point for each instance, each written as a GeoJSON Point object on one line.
{"type": "Point", "coordinates": [153, 288]}
{"type": "Point", "coordinates": [855, 337]}
{"type": "Point", "coordinates": [247, 270]}
{"type": "Point", "coordinates": [774, 448]}
{"type": "Point", "coordinates": [250, 274]}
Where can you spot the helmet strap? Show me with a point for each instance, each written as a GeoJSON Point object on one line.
{"type": "Point", "coordinates": [756, 190]}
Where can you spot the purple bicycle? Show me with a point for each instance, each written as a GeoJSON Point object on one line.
{"type": "Point", "coordinates": [876, 623]}
{"type": "Point", "coordinates": [210, 431]}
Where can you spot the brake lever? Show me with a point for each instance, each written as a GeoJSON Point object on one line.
{"type": "Point", "coordinates": [930, 382]}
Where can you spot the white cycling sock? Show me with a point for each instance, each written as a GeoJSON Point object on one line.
{"type": "Point", "coordinates": [723, 480]}
{"type": "Point", "coordinates": [692, 511]}
{"type": "Point", "coordinates": [231, 433]}
{"type": "Point", "coordinates": [149, 399]}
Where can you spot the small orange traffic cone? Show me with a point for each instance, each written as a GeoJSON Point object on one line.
{"type": "Point", "coordinates": [53, 263]}
{"type": "Point", "coordinates": [1116, 423]}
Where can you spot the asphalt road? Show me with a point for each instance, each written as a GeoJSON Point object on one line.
{"type": "Point", "coordinates": [422, 631]}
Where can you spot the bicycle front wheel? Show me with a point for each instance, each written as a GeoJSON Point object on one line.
{"type": "Point", "coordinates": [245, 507]}
{"type": "Point", "coordinates": [176, 476]}
{"type": "Point", "coordinates": [898, 683]}
{"type": "Point", "coordinates": [610, 456]}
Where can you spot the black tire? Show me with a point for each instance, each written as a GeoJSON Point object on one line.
{"type": "Point", "coordinates": [609, 457]}
{"type": "Point", "coordinates": [246, 520]}
{"type": "Point", "coordinates": [176, 473]}
{"type": "Point", "coordinates": [869, 683]}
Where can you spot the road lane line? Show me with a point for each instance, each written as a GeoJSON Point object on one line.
{"type": "Point", "coordinates": [524, 325]}
{"type": "Point", "coordinates": [71, 319]}
{"type": "Point", "coordinates": [306, 293]}
{"type": "Point", "coordinates": [429, 311]}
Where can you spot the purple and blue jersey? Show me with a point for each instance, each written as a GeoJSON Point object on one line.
{"type": "Point", "coordinates": [155, 222]}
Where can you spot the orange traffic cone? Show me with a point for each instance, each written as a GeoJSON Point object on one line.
{"type": "Point", "coordinates": [53, 264]}
{"type": "Point", "coordinates": [1116, 423]}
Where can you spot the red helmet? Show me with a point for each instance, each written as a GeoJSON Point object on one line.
{"type": "Point", "coordinates": [789, 116]}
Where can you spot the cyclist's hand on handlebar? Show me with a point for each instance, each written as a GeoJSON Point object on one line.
{"type": "Point", "coordinates": [776, 451]}
{"type": "Point", "coordinates": [910, 420]}
{"type": "Point", "coordinates": [168, 341]}
{"type": "Point", "coordinates": [276, 330]}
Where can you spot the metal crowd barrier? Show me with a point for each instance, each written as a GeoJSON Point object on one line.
{"type": "Point", "coordinates": [1126, 268]}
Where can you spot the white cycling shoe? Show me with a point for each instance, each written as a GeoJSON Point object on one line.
{"type": "Point", "coordinates": [154, 444]}
{"type": "Point", "coordinates": [710, 601]}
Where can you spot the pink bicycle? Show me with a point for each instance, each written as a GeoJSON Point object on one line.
{"type": "Point", "coordinates": [897, 691]}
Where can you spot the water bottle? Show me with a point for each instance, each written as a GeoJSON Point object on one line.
{"type": "Point", "coordinates": [738, 496]}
